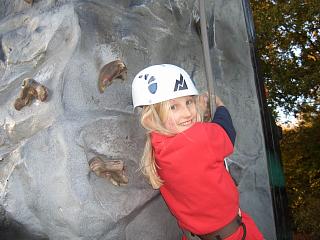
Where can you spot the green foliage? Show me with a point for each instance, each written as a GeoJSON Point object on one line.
{"type": "Point", "coordinates": [287, 41]}
{"type": "Point", "coordinates": [288, 47]}
{"type": "Point", "coordinates": [300, 149]}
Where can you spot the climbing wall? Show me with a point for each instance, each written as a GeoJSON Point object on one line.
{"type": "Point", "coordinates": [60, 109]}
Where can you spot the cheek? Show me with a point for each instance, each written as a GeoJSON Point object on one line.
{"type": "Point", "coordinates": [170, 123]}
{"type": "Point", "coordinates": [193, 110]}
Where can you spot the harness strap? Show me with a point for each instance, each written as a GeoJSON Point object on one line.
{"type": "Point", "coordinates": [244, 231]}
{"type": "Point", "coordinates": [225, 231]}
{"type": "Point", "coordinates": [221, 233]}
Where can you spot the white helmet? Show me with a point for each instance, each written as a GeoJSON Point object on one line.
{"type": "Point", "coordinates": [159, 83]}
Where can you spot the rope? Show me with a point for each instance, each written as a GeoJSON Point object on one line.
{"type": "Point", "coordinates": [205, 48]}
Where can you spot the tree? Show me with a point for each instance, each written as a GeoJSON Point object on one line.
{"type": "Point", "coordinates": [287, 44]}
{"type": "Point", "coordinates": [301, 157]}
{"type": "Point", "coordinates": [287, 41]}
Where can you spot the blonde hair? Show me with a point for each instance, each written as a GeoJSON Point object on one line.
{"type": "Point", "coordinates": [152, 119]}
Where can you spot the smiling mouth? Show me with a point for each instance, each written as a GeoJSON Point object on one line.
{"type": "Point", "coordinates": [186, 123]}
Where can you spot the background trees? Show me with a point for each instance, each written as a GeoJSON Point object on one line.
{"type": "Point", "coordinates": [287, 41]}
{"type": "Point", "coordinates": [301, 158]}
{"type": "Point", "coordinates": [288, 46]}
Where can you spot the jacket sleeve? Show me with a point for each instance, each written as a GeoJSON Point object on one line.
{"type": "Point", "coordinates": [222, 117]}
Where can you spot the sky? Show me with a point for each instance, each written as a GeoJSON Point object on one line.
{"type": "Point", "coordinates": [288, 120]}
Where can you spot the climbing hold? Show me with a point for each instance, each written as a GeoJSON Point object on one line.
{"type": "Point", "coordinates": [112, 170]}
{"type": "Point", "coordinates": [110, 71]}
{"type": "Point", "coordinates": [30, 89]}
{"type": "Point", "coordinates": [29, 1]}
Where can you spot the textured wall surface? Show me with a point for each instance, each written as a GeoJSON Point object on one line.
{"type": "Point", "coordinates": [46, 188]}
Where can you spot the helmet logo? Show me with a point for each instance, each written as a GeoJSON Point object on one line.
{"type": "Point", "coordinates": [180, 84]}
{"type": "Point", "coordinates": [152, 86]}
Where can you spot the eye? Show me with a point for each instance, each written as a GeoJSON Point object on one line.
{"type": "Point", "coordinates": [189, 102]}
{"type": "Point", "coordinates": [173, 107]}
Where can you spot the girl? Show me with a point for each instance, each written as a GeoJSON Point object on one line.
{"type": "Point", "coordinates": [184, 157]}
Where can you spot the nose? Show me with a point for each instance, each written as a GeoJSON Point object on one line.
{"type": "Point", "coordinates": [187, 112]}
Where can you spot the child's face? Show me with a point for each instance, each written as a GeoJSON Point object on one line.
{"type": "Point", "coordinates": [182, 114]}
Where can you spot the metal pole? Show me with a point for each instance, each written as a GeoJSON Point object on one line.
{"type": "Point", "coordinates": [205, 48]}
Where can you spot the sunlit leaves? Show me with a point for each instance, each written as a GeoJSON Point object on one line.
{"type": "Point", "coordinates": [287, 40]}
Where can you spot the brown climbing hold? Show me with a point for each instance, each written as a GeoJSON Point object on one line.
{"type": "Point", "coordinates": [110, 71]}
{"type": "Point", "coordinates": [29, 1]}
{"type": "Point", "coordinates": [112, 170]}
{"type": "Point", "coordinates": [30, 89]}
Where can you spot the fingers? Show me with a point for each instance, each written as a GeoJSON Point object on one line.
{"type": "Point", "coordinates": [204, 99]}
{"type": "Point", "coordinates": [219, 102]}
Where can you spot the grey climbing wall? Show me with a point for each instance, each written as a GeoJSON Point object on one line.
{"type": "Point", "coordinates": [46, 188]}
{"type": "Point", "coordinates": [236, 83]}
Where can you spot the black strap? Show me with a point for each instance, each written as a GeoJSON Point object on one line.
{"type": "Point", "coordinates": [244, 231]}
{"type": "Point", "coordinates": [220, 235]}
{"type": "Point", "coordinates": [225, 231]}
{"type": "Point", "coordinates": [243, 236]}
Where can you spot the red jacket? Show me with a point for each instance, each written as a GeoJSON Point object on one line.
{"type": "Point", "coordinates": [197, 188]}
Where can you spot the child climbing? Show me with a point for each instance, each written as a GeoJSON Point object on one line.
{"type": "Point", "coordinates": [183, 156]}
